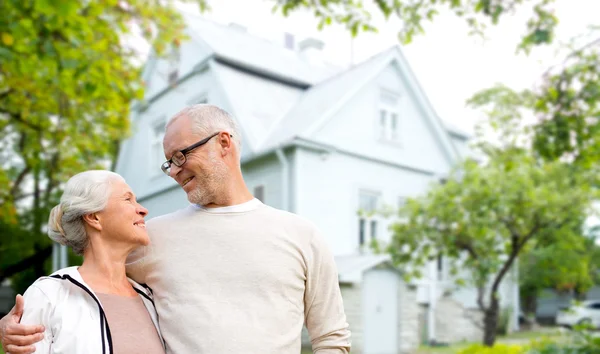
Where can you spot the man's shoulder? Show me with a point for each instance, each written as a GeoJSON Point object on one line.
{"type": "Point", "coordinates": [288, 218]}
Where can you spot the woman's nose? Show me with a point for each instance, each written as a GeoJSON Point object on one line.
{"type": "Point", "coordinates": [142, 211]}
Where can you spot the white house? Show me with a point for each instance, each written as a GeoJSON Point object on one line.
{"type": "Point", "coordinates": [322, 142]}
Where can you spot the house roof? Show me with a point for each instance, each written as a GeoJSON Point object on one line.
{"type": "Point", "coordinates": [322, 101]}
{"type": "Point", "coordinates": [279, 95]}
{"type": "Point", "coordinates": [351, 267]}
{"type": "Point", "coordinates": [237, 46]}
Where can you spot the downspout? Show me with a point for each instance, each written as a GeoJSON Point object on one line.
{"type": "Point", "coordinates": [432, 303]}
{"type": "Point", "coordinates": [285, 173]}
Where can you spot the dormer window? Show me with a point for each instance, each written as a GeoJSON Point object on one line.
{"type": "Point", "coordinates": [389, 117]}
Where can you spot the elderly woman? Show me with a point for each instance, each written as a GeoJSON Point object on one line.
{"type": "Point", "coordinates": [95, 308]}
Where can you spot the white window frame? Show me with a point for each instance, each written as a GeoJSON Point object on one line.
{"type": "Point", "coordinates": [389, 130]}
{"type": "Point", "coordinates": [156, 147]}
{"type": "Point", "coordinates": [369, 232]}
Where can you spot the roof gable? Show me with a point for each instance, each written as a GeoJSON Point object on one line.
{"type": "Point", "coordinates": [320, 103]}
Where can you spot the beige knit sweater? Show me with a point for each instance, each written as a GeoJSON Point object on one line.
{"type": "Point", "coordinates": [241, 279]}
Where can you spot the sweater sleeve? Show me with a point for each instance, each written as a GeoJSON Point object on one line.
{"type": "Point", "coordinates": [323, 306]}
{"type": "Point", "coordinates": [135, 265]}
{"type": "Point", "coordinates": [38, 310]}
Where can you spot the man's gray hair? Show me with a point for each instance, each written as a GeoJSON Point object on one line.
{"type": "Point", "coordinates": [85, 193]}
{"type": "Point", "coordinates": [208, 119]}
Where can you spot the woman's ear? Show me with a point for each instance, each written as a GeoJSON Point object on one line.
{"type": "Point", "coordinates": [93, 221]}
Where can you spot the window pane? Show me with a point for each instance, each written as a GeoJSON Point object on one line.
{"type": "Point", "coordinates": [361, 232]}
{"type": "Point", "coordinates": [368, 201]}
{"type": "Point", "coordinates": [382, 115]}
{"type": "Point", "coordinates": [373, 229]}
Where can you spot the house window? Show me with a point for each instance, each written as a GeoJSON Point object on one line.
{"type": "Point", "coordinates": [389, 117]}
{"type": "Point", "coordinates": [173, 64]}
{"type": "Point", "coordinates": [440, 267]}
{"type": "Point", "coordinates": [156, 147]}
{"type": "Point", "coordinates": [361, 231]}
{"type": "Point", "coordinates": [259, 193]}
{"type": "Point", "coordinates": [368, 220]}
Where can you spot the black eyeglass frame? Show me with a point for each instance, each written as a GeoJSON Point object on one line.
{"type": "Point", "coordinates": [166, 166]}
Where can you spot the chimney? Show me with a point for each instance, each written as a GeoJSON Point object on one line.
{"type": "Point", "coordinates": [312, 49]}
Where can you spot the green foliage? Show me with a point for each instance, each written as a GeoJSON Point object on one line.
{"type": "Point", "coordinates": [490, 212]}
{"type": "Point", "coordinates": [415, 14]}
{"type": "Point", "coordinates": [504, 321]}
{"type": "Point", "coordinates": [496, 349]}
{"type": "Point", "coordinates": [566, 105]}
{"type": "Point", "coordinates": [68, 74]}
{"type": "Point", "coordinates": [564, 265]}
{"type": "Point", "coordinates": [486, 214]}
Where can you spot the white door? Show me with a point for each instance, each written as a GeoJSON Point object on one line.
{"type": "Point", "coordinates": [380, 312]}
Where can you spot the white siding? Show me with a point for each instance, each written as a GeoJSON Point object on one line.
{"type": "Point", "coordinates": [265, 172]}
{"type": "Point", "coordinates": [356, 127]}
{"type": "Point", "coordinates": [191, 53]}
{"type": "Point", "coordinates": [327, 192]}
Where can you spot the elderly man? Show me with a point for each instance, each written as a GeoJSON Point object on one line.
{"type": "Point", "coordinates": [229, 274]}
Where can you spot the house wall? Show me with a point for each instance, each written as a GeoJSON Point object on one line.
{"type": "Point", "coordinates": [455, 323]}
{"type": "Point", "coordinates": [355, 127]}
{"type": "Point", "coordinates": [267, 172]}
{"type": "Point", "coordinates": [156, 69]}
{"type": "Point", "coordinates": [408, 324]}
{"type": "Point", "coordinates": [328, 187]}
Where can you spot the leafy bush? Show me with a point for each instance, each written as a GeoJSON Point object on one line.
{"type": "Point", "coordinates": [579, 342]}
{"type": "Point", "coordinates": [496, 349]}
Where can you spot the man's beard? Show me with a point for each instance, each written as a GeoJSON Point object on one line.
{"type": "Point", "coordinates": [209, 183]}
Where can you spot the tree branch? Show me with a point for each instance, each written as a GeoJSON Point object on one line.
{"type": "Point", "coordinates": [19, 118]}
{"type": "Point", "coordinates": [465, 246]}
{"type": "Point", "coordinates": [5, 93]}
{"type": "Point", "coordinates": [26, 263]}
{"type": "Point", "coordinates": [15, 187]}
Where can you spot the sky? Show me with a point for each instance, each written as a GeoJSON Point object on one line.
{"type": "Point", "coordinates": [449, 64]}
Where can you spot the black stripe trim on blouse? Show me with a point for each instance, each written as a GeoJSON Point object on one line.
{"type": "Point", "coordinates": [144, 295]}
{"type": "Point", "coordinates": [103, 320]}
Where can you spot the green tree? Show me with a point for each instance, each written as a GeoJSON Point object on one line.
{"type": "Point", "coordinates": [414, 14]}
{"type": "Point", "coordinates": [564, 108]}
{"type": "Point", "coordinates": [68, 74]}
{"type": "Point", "coordinates": [485, 215]}
{"type": "Point", "coordinates": [564, 266]}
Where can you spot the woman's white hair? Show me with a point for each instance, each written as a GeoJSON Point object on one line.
{"type": "Point", "coordinates": [85, 193]}
{"type": "Point", "coordinates": [208, 119]}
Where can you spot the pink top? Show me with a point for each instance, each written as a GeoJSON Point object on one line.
{"type": "Point", "coordinates": [130, 325]}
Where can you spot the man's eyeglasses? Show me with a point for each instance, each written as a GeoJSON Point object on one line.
{"type": "Point", "coordinates": [179, 157]}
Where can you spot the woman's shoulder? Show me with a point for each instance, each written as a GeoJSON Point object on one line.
{"type": "Point", "coordinates": [53, 285]}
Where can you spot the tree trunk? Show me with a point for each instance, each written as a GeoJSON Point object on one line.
{"type": "Point", "coordinates": [490, 321]}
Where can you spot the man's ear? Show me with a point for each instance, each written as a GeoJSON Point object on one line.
{"type": "Point", "coordinates": [93, 221]}
{"type": "Point", "coordinates": [226, 142]}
